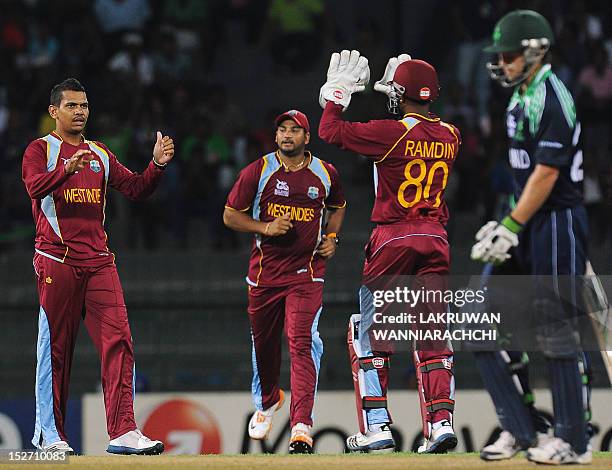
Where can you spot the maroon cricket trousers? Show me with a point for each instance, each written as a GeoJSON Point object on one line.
{"type": "Point", "coordinates": [68, 293]}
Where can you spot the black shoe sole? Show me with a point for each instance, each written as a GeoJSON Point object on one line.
{"type": "Point", "coordinates": [443, 446]}
{"type": "Point", "coordinates": [155, 450]}
{"type": "Point", "coordinates": [300, 447]}
{"type": "Point", "coordinates": [446, 445]}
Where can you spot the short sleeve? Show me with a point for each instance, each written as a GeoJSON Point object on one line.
{"type": "Point", "coordinates": [336, 199]}
{"type": "Point", "coordinates": [243, 192]}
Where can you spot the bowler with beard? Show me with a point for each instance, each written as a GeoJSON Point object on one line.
{"type": "Point", "coordinates": [294, 205]}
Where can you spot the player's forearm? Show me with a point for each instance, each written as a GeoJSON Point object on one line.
{"type": "Point", "coordinates": [334, 221]}
{"type": "Point", "coordinates": [539, 186]}
{"type": "Point", "coordinates": [39, 185]}
{"type": "Point", "coordinates": [135, 186]}
{"type": "Point", "coordinates": [330, 127]}
{"type": "Point", "coordinates": [242, 222]}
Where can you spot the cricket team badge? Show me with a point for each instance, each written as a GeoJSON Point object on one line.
{"type": "Point", "coordinates": [95, 166]}
{"type": "Point", "coordinates": [313, 192]}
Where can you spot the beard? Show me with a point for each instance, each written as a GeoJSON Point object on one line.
{"type": "Point", "coordinates": [296, 150]}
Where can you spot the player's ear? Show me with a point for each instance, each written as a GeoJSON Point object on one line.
{"type": "Point", "coordinates": [307, 138]}
{"type": "Point", "coordinates": [53, 111]}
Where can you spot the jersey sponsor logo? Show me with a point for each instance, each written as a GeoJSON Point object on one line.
{"type": "Point", "coordinates": [519, 159]}
{"type": "Point", "coordinates": [83, 195]}
{"type": "Point", "coordinates": [300, 214]}
{"type": "Point", "coordinates": [313, 192]}
{"type": "Point", "coordinates": [282, 188]}
{"type": "Point", "coordinates": [429, 149]}
{"type": "Point", "coordinates": [424, 93]}
{"type": "Point", "coordinates": [549, 144]}
{"type": "Point", "coordinates": [95, 166]}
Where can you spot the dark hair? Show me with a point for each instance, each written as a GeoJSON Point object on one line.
{"type": "Point", "coordinates": [70, 84]}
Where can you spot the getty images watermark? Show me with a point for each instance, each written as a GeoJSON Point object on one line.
{"type": "Point", "coordinates": [487, 312]}
{"type": "Point", "coordinates": [408, 314]}
{"type": "Point", "coordinates": [30, 457]}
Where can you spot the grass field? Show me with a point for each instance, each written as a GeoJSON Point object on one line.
{"type": "Point", "coordinates": [602, 460]}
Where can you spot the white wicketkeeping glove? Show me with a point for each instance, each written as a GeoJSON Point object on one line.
{"type": "Point", "coordinates": [495, 239]}
{"type": "Point", "coordinates": [348, 73]}
{"type": "Point", "coordinates": [382, 85]}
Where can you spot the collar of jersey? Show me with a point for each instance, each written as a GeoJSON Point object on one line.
{"type": "Point", "coordinates": [542, 75]}
{"type": "Point", "coordinates": [431, 119]}
{"type": "Point", "coordinates": [58, 137]}
{"type": "Point", "coordinates": [307, 154]}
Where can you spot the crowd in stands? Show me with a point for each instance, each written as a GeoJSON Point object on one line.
{"type": "Point", "coordinates": [146, 65]}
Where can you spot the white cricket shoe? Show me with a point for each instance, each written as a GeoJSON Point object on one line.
{"type": "Point", "coordinates": [372, 441]}
{"type": "Point", "coordinates": [301, 440]}
{"type": "Point", "coordinates": [441, 441]}
{"type": "Point", "coordinates": [260, 423]}
{"type": "Point", "coordinates": [59, 446]}
{"type": "Point", "coordinates": [134, 443]}
{"type": "Point", "coordinates": [555, 451]}
{"type": "Point", "coordinates": [505, 447]}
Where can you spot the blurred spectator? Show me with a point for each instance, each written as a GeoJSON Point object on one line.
{"type": "Point", "coordinates": [295, 30]}
{"type": "Point", "coordinates": [170, 63]}
{"type": "Point", "coordinates": [593, 201]}
{"type": "Point", "coordinates": [456, 105]}
{"type": "Point", "coordinates": [43, 47]}
{"type": "Point", "coordinates": [473, 22]}
{"type": "Point", "coordinates": [121, 15]}
{"type": "Point", "coordinates": [225, 115]}
{"type": "Point", "coordinates": [594, 101]}
{"type": "Point", "coordinates": [187, 14]}
{"type": "Point", "coordinates": [242, 19]}
{"type": "Point", "coordinates": [132, 62]}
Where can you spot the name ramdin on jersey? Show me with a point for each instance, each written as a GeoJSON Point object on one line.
{"type": "Point", "coordinates": [435, 335]}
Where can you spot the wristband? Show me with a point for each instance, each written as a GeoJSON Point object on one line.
{"type": "Point", "coordinates": [159, 165]}
{"type": "Point", "coordinates": [511, 224]}
{"type": "Point", "coordinates": [334, 236]}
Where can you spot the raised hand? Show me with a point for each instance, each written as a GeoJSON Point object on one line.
{"type": "Point", "coordinates": [382, 85]}
{"type": "Point", "coordinates": [163, 151]}
{"type": "Point", "coordinates": [279, 226]}
{"type": "Point", "coordinates": [78, 161]}
{"type": "Point", "coordinates": [348, 73]}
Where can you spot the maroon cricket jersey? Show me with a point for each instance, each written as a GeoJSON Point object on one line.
{"type": "Point", "coordinates": [69, 209]}
{"type": "Point", "coordinates": [268, 190]}
{"type": "Point", "coordinates": [413, 158]}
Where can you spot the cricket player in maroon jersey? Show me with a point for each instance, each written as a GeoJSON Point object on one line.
{"type": "Point", "coordinates": [413, 158]}
{"type": "Point", "coordinates": [284, 198]}
{"type": "Point", "coordinates": [67, 177]}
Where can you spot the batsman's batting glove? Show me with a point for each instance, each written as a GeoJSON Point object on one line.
{"type": "Point", "coordinates": [495, 241]}
{"type": "Point", "coordinates": [382, 85]}
{"type": "Point", "coordinates": [348, 73]}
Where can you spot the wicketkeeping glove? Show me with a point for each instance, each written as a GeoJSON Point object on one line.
{"type": "Point", "coordinates": [495, 239]}
{"type": "Point", "coordinates": [382, 85]}
{"type": "Point", "coordinates": [348, 73]}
